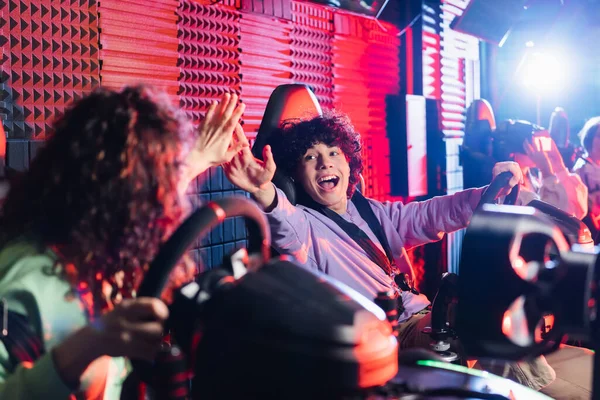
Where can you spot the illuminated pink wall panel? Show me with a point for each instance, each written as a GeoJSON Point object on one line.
{"type": "Point", "coordinates": [139, 43]}
{"type": "Point", "coordinates": [365, 71]}
{"type": "Point", "coordinates": [266, 62]}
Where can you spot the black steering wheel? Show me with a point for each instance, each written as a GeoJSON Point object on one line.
{"type": "Point", "coordinates": [196, 226]}
{"type": "Point", "coordinates": [492, 193]}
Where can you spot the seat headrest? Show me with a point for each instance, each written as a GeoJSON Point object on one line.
{"type": "Point", "coordinates": [481, 110]}
{"type": "Point", "coordinates": [479, 125]}
{"type": "Point", "coordinates": [475, 155]}
{"type": "Point", "coordinates": [292, 101]}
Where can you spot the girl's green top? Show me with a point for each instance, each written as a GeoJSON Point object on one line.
{"type": "Point", "coordinates": [30, 287]}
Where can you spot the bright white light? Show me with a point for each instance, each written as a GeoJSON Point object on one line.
{"type": "Point", "coordinates": [530, 44]}
{"type": "Point", "coordinates": [543, 73]}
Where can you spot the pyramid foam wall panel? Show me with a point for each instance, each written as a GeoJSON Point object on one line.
{"type": "Point", "coordinates": [311, 49]}
{"type": "Point", "coordinates": [49, 58]}
{"type": "Point", "coordinates": [208, 55]}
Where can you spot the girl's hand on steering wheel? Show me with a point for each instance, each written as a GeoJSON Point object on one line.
{"type": "Point", "coordinates": [511, 167]}
{"type": "Point", "coordinates": [133, 329]}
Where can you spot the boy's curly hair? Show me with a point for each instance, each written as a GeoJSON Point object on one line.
{"type": "Point", "coordinates": [102, 192]}
{"type": "Point", "coordinates": [295, 137]}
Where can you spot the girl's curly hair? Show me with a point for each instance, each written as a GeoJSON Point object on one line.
{"type": "Point", "coordinates": [291, 141]}
{"type": "Point", "coordinates": [102, 192]}
{"type": "Point", "coordinates": [589, 132]}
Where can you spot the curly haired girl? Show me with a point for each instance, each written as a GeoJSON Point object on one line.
{"type": "Point", "coordinates": [80, 227]}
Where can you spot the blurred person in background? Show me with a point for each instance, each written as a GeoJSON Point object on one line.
{"type": "Point", "coordinates": [590, 173]}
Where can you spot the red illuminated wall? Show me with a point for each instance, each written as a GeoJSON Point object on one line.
{"type": "Point", "coordinates": [55, 52]}
{"type": "Point", "coordinates": [365, 71]}
{"type": "Point", "coordinates": [139, 43]}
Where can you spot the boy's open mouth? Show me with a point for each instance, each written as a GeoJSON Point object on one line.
{"type": "Point", "coordinates": [328, 182]}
